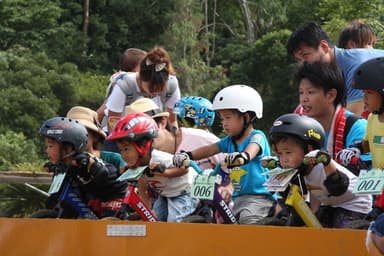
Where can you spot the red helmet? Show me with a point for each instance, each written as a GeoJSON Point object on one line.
{"type": "Point", "coordinates": [137, 127]}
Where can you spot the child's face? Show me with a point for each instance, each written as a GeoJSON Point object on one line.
{"type": "Point", "coordinates": [52, 150]}
{"type": "Point", "coordinates": [232, 122]}
{"type": "Point", "coordinates": [128, 152]}
{"type": "Point", "coordinates": [312, 99]}
{"type": "Point", "coordinates": [290, 153]}
{"type": "Point", "coordinates": [372, 100]}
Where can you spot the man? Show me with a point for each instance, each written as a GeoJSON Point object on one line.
{"type": "Point", "coordinates": [310, 43]}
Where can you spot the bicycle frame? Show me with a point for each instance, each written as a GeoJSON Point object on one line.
{"type": "Point", "coordinates": [132, 199]}
{"type": "Point", "coordinates": [295, 200]}
{"type": "Point", "coordinates": [218, 202]}
{"type": "Point", "coordinates": [70, 196]}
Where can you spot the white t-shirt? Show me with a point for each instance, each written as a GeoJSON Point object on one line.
{"type": "Point", "coordinates": [167, 187]}
{"type": "Point", "coordinates": [348, 200]}
{"type": "Point", "coordinates": [116, 101]}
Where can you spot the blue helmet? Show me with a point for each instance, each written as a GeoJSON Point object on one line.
{"type": "Point", "coordinates": [198, 109]}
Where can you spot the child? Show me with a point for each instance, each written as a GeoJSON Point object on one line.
{"type": "Point", "coordinates": [369, 77]}
{"type": "Point", "coordinates": [294, 137]}
{"type": "Point", "coordinates": [66, 141]}
{"type": "Point", "coordinates": [238, 106]}
{"type": "Point", "coordinates": [134, 135]}
{"type": "Point", "coordinates": [96, 137]}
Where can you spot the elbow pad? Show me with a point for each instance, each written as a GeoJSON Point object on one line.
{"type": "Point", "coordinates": [337, 183]}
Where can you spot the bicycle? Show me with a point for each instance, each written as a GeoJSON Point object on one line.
{"type": "Point", "coordinates": [293, 193]}
{"type": "Point", "coordinates": [205, 188]}
{"type": "Point", "coordinates": [65, 199]}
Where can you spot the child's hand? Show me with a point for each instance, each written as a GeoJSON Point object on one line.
{"type": "Point", "coordinates": [236, 159]}
{"type": "Point", "coordinates": [179, 158]}
{"type": "Point", "coordinates": [270, 162]}
{"type": "Point", "coordinates": [316, 157]}
{"type": "Point", "coordinates": [348, 156]}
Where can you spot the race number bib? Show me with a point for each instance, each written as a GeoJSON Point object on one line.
{"type": "Point", "coordinates": [203, 187]}
{"type": "Point", "coordinates": [371, 182]}
{"type": "Point", "coordinates": [56, 183]}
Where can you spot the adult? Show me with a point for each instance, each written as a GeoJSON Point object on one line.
{"type": "Point", "coordinates": [129, 62]}
{"type": "Point", "coordinates": [155, 80]}
{"type": "Point", "coordinates": [322, 97]}
{"type": "Point", "coordinates": [310, 43]}
{"type": "Point", "coordinates": [356, 34]}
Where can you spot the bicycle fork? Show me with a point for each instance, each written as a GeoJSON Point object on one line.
{"type": "Point", "coordinates": [295, 200]}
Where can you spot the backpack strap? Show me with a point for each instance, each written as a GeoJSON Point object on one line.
{"type": "Point", "coordinates": [128, 85]}
{"type": "Point", "coordinates": [112, 84]}
{"type": "Point", "coordinates": [351, 119]}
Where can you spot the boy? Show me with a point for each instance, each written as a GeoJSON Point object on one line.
{"type": "Point", "coordinates": [294, 137]}
{"type": "Point", "coordinates": [66, 141]}
{"type": "Point", "coordinates": [134, 135]}
{"type": "Point", "coordinates": [322, 97]}
{"type": "Point", "coordinates": [369, 77]}
{"type": "Point", "coordinates": [238, 106]}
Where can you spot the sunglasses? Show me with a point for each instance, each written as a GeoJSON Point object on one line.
{"type": "Point", "coordinates": [373, 230]}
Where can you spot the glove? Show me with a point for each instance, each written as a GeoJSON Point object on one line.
{"type": "Point", "coordinates": [236, 159]}
{"type": "Point", "coordinates": [270, 162]}
{"type": "Point", "coordinates": [348, 156]}
{"type": "Point", "coordinates": [82, 160]}
{"type": "Point", "coordinates": [179, 158]}
{"type": "Point", "coordinates": [317, 156]}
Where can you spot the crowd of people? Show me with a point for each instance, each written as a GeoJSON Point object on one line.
{"type": "Point", "coordinates": [144, 121]}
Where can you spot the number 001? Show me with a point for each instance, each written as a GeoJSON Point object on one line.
{"type": "Point", "coordinates": [367, 185]}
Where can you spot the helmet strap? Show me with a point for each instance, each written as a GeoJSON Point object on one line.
{"type": "Point", "coordinates": [244, 128]}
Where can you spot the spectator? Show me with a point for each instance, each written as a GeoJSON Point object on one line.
{"type": "Point", "coordinates": [310, 43]}
{"type": "Point", "coordinates": [155, 80]}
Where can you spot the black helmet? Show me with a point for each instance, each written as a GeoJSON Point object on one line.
{"type": "Point", "coordinates": [67, 130]}
{"type": "Point", "coordinates": [304, 127]}
{"type": "Point", "coordinates": [370, 75]}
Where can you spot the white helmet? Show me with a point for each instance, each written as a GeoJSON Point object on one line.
{"type": "Point", "coordinates": [240, 97]}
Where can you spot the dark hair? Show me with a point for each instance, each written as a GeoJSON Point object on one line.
{"type": "Point", "coordinates": [357, 32]}
{"type": "Point", "coordinates": [323, 75]}
{"type": "Point", "coordinates": [152, 71]}
{"type": "Point", "coordinates": [309, 34]}
{"type": "Point", "coordinates": [276, 138]}
{"type": "Point", "coordinates": [131, 58]}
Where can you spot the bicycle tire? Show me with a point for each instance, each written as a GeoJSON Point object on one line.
{"type": "Point", "coordinates": [44, 214]}
{"type": "Point", "coordinates": [194, 219]}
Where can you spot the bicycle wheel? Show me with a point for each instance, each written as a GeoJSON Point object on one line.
{"type": "Point", "coordinates": [194, 219]}
{"type": "Point", "coordinates": [44, 214]}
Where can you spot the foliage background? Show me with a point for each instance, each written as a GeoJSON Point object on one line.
{"type": "Point", "coordinates": [55, 54]}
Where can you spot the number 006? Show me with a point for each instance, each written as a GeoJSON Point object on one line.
{"type": "Point", "coordinates": [202, 191]}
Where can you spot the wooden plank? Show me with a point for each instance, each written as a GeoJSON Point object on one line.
{"type": "Point", "coordinates": [101, 237]}
{"type": "Point", "coordinates": [25, 177]}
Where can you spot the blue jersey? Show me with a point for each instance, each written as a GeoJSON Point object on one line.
{"type": "Point", "coordinates": [348, 60]}
{"type": "Point", "coordinates": [247, 179]}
